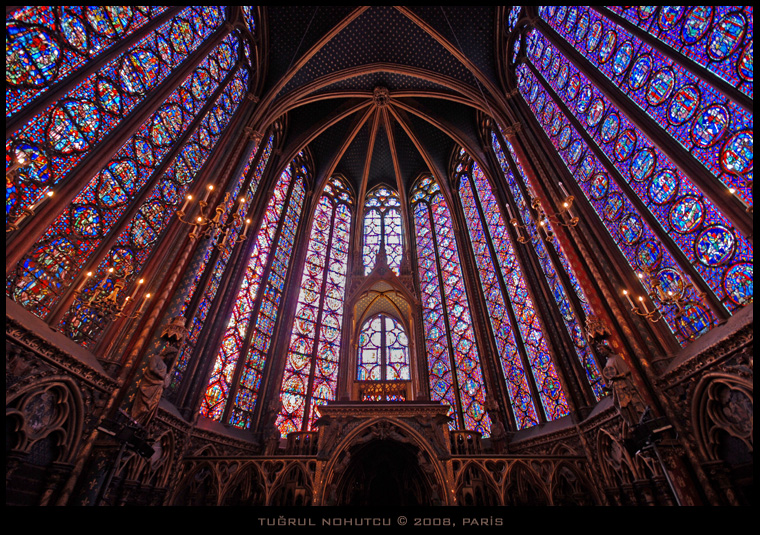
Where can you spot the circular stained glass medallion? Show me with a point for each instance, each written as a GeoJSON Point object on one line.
{"type": "Point", "coordinates": [631, 228]}
{"type": "Point", "coordinates": [640, 71]}
{"type": "Point", "coordinates": [715, 245]}
{"type": "Point", "coordinates": [564, 138]}
{"type": "Point", "coordinates": [684, 105]}
{"type": "Point", "coordinates": [643, 165]}
{"type": "Point", "coordinates": [584, 99]}
{"type": "Point", "coordinates": [562, 76]}
{"type": "Point", "coordinates": [660, 86]}
{"type": "Point", "coordinates": [671, 282]}
{"type": "Point", "coordinates": [744, 65]}
{"type": "Point", "coordinates": [737, 156]}
{"type": "Point", "coordinates": [608, 46]}
{"type": "Point", "coordinates": [694, 321]}
{"type": "Point", "coordinates": [599, 186]}
{"type": "Point", "coordinates": [669, 16]}
{"type": "Point", "coordinates": [726, 36]}
{"type": "Point", "coordinates": [663, 186]}
{"type": "Point", "coordinates": [610, 127]}
{"type": "Point", "coordinates": [648, 254]}
{"type": "Point", "coordinates": [573, 87]}
{"type": "Point", "coordinates": [623, 58]}
{"type": "Point", "coordinates": [595, 35]}
{"type": "Point", "coordinates": [582, 28]}
{"type": "Point", "coordinates": [738, 283]}
{"type": "Point", "coordinates": [625, 145]}
{"type": "Point", "coordinates": [595, 112]}
{"type": "Point", "coordinates": [696, 24]}
{"type": "Point", "coordinates": [686, 215]}
{"type": "Point", "coordinates": [575, 152]}
{"type": "Point", "coordinates": [710, 125]}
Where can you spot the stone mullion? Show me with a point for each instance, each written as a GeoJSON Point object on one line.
{"type": "Point", "coordinates": [204, 353]}
{"type": "Point", "coordinates": [67, 297]}
{"type": "Point", "coordinates": [581, 386]}
{"type": "Point", "coordinates": [17, 246]}
{"type": "Point", "coordinates": [250, 332]}
{"type": "Point", "coordinates": [490, 365]}
{"type": "Point", "coordinates": [60, 88]}
{"type": "Point", "coordinates": [708, 184]}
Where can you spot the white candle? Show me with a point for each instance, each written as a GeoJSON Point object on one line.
{"type": "Point", "coordinates": [145, 302]}
{"type": "Point", "coordinates": [137, 288]}
{"type": "Point", "coordinates": [208, 192]}
{"type": "Point", "coordinates": [564, 191]}
{"type": "Point", "coordinates": [84, 281]}
{"type": "Point", "coordinates": [187, 201]}
{"type": "Point", "coordinates": [643, 305]}
{"type": "Point", "coordinates": [509, 211]}
{"type": "Point", "coordinates": [625, 293]}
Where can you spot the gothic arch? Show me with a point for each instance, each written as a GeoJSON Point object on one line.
{"type": "Point", "coordinates": [247, 487]}
{"type": "Point", "coordinates": [389, 431]}
{"type": "Point", "coordinates": [475, 486]}
{"type": "Point", "coordinates": [199, 487]}
{"type": "Point", "coordinates": [294, 487]}
{"type": "Point", "coordinates": [522, 486]}
{"type": "Point", "coordinates": [48, 415]}
{"type": "Point", "coordinates": [569, 486]}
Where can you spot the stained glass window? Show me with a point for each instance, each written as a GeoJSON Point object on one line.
{"type": "Point", "coordinates": [311, 367]}
{"type": "Point", "coordinates": [225, 247]}
{"type": "Point", "coordinates": [487, 229]}
{"type": "Point", "coordinates": [212, 93]}
{"type": "Point", "coordinates": [57, 139]}
{"type": "Point", "coordinates": [383, 350]}
{"type": "Point", "coordinates": [640, 245]}
{"type": "Point", "coordinates": [46, 44]}
{"type": "Point", "coordinates": [454, 366]}
{"type": "Point", "coordinates": [720, 253]}
{"type": "Point", "coordinates": [382, 229]}
{"type": "Point", "coordinates": [256, 307]}
{"type": "Point", "coordinates": [550, 270]}
{"type": "Point", "coordinates": [715, 130]}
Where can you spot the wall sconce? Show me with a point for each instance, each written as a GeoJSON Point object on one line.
{"type": "Point", "coordinates": [202, 220]}
{"type": "Point", "coordinates": [105, 303]}
{"type": "Point", "coordinates": [565, 217]}
{"type": "Point", "coordinates": [28, 212]}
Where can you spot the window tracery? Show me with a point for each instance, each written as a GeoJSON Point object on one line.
{"type": "Point", "coordinates": [382, 229]}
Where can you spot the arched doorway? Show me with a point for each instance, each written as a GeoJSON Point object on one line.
{"type": "Point", "coordinates": [384, 473]}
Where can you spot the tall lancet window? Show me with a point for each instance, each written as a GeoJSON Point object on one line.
{"type": "Point", "coordinates": [454, 364]}
{"type": "Point", "coordinates": [383, 350]}
{"type": "Point", "coordinates": [138, 154]}
{"type": "Point", "coordinates": [235, 379]}
{"type": "Point", "coordinates": [382, 229]}
{"type": "Point", "coordinates": [504, 283]}
{"type": "Point", "coordinates": [311, 368]}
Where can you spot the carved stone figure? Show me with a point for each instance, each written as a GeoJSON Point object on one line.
{"type": "Point", "coordinates": [156, 376]}
{"type": "Point", "coordinates": [624, 395]}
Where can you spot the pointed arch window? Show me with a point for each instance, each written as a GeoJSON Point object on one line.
{"type": "Point", "coordinates": [454, 366]}
{"type": "Point", "coordinates": [185, 128]}
{"type": "Point", "coordinates": [236, 376]}
{"type": "Point", "coordinates": [311, 368]}
{"type": "Point", "coordinates": [688, 107]}
{"type": "Point", "coordinates": [383, 350]}
{"type": "Point", "coordinates": [225, 248]}
{"type": "Point", "coordinates": [641, 183]}
{"type": "Point", "coordinates": [382, 229]}
{"type": "Point", "coordinates": [505, 288]}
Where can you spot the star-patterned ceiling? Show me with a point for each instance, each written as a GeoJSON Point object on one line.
{"type": "Point", "coordinates": [379, 94]}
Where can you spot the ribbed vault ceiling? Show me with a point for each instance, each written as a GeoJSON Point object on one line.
{"type": "Point", "coordinates": [379, 93]}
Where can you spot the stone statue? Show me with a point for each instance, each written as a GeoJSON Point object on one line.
{"type": "Point", "coordinates": [155, 379]}
{"type": "Point", "coordinates": [156, 376]}
{"type": "Point", "coordinates": [618, 376]}
{"type": "Point", "coordinates": [616, 373]}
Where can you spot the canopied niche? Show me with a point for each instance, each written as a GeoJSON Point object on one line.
{"type": "Point", "coordinates": [385, 304]}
